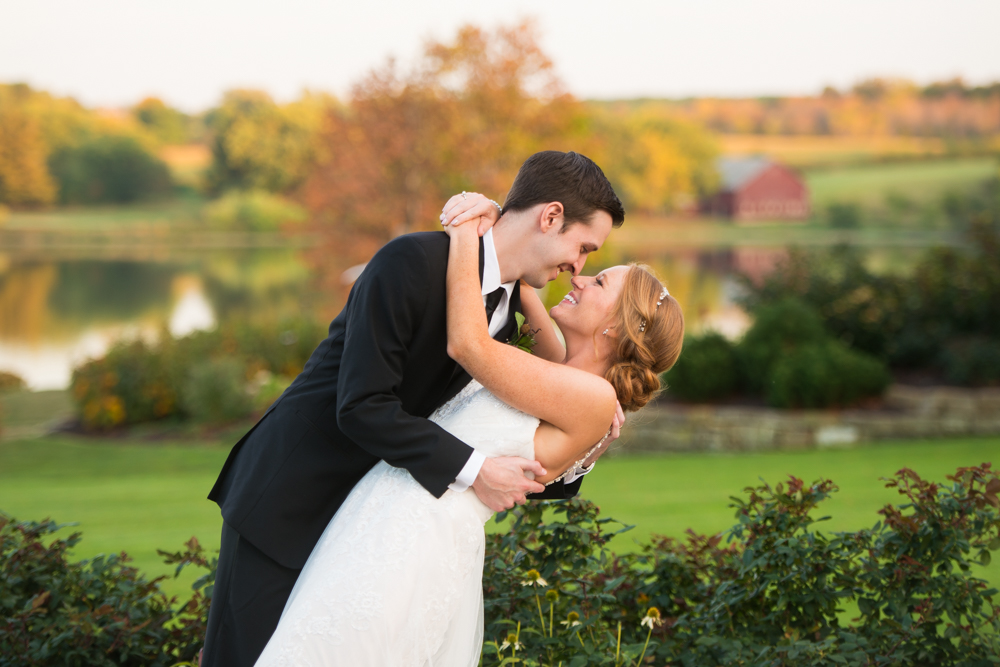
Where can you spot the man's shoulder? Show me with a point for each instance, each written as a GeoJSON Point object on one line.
{"type": "Point", "coordinates": [410, 254]}
{"type": "Point", "coordinates": [415, 247]}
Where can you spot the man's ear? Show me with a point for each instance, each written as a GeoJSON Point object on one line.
{"type": "Point", "coordinates": [551, 217]}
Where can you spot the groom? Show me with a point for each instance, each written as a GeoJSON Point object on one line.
{"type": "Point", "coordinates": [366, 392]}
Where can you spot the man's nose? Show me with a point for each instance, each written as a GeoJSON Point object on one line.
{"type": "Point", "coordinates": [578, 265]}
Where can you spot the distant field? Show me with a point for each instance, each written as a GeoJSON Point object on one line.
{"type": "Point", "coordinates": [143, 496]}
{"type": "Point", "coordinates": [808, 151]}
{"type": "Point", "coordinates": [868, 185]}
{"type": "Point", "coordinates": [149, 216]}
{"type": "Point", "coordinates": [187, 163]}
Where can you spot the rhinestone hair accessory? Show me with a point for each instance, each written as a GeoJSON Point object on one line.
{"type": "Point", "coordinates": [663, 295]}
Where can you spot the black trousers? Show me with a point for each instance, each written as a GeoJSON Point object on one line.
{"type": "Point", "coordinates": [250, 593]}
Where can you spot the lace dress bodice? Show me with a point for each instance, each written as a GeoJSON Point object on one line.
{"type": "Point", "coordinates": [484, 422]}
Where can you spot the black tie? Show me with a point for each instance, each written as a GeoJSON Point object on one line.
{"type": "Point", "coordinates": [492, 301]}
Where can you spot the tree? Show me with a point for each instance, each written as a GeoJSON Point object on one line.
{"type": "Point", "coordinates": [465, 116]}
{"type": "Point", "coordinates": [167, 124]}
{"type": "Point", "coordinates": [258, 144]}
{"type": "Point", "coordinates": [657, 162]}
{"type": "Point", "coordinates": [24, 176]}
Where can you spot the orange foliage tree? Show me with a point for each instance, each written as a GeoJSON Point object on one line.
{"type": "Point", "coordinates": [465, 116]}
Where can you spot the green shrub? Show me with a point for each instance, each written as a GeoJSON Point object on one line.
{"type": "Point", "coordinates": [99, 612]}
{"type": "Point", "coordinates": [772, 595]}
{"type": "Point", "coordinates": [137, 381]}
{"type": "Point", "coordinates": [216, 391]}
{"type": "Point", "coordinates": [844, 216]}
{"type": "Point", "coordinates": [777, 329]}
{"type": "Point", "coordinates": [108, 168]}
{"type": "Point", "coordinates": [708, 370]}
{"type": "Point", "coordinates": [916, 321]}
{"type": "Point", "coordinates": [254, 210]}
{"type": "Point", "coordinates": [973, 361]}
{"type": "Point", "coordinates": [134, 382]}
{"type": "Point", "coordinates": [11, 382]}
{"type": "Point", "coordinates": [824, 375]}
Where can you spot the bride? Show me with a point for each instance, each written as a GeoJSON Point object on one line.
{"type": "Point", "coordinates": [396, 577]}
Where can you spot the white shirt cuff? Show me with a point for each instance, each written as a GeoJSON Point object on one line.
{"type": "Point", "coordinates": [577, 473]}
{"type": "Point", "coordinates": [469, 472]}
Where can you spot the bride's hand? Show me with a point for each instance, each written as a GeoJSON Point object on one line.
{"type": "Point", "coordinates": [470, 206]}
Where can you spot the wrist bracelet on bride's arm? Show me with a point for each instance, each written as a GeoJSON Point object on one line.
{"type": "Point", "coordinates": [499, 207]}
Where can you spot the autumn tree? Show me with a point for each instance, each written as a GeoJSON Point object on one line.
{"type": "Point", "coordinates": [168, 125]}
{"type": "Point", "coordinates": [24, 176]}
{"type": "Point", "coordinates": [259, 144]}
{"type": "Point", "coordinates": [465, 116]}
{"type": "Point", "coordinates": [657, 162]}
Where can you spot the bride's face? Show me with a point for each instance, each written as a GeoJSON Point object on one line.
{"type": "Point", "coordinates": [588, 307]}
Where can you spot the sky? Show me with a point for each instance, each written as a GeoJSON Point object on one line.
{"type": "Point", "coordinates": [115, 52]}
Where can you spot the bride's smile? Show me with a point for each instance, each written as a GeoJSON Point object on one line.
{"type": "Point", "coordinates": [588, 306]}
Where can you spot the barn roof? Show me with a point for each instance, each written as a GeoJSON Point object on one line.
{"type": "Point", "coordinates": [735, 172]}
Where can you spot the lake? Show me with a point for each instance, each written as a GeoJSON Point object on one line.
{"type": "Point", "coordinates": [60, 305]}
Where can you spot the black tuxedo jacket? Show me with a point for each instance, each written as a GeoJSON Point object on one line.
{"type": "Point", "coordinates": [364, 395]}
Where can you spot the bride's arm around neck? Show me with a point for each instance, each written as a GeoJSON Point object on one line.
{"type": "Point", "coordinates": [577, 406]}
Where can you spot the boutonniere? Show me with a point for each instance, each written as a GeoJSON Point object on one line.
{"type": "Point", "coordinates": [524, 336]}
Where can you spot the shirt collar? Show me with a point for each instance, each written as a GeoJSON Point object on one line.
{"type": "Point", "coordinates": [491, 267]}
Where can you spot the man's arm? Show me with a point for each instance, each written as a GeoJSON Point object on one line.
{"type": "Point", "coordinates": [385, 310]}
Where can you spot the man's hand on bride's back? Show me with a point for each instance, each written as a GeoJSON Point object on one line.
{"type": "Point", "coordinates": [501, 483]}
{"type": "Point", "coordinates": [470, 206]}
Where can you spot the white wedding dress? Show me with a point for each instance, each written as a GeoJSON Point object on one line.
{"type": "Point", "coordinates": [396, 578]}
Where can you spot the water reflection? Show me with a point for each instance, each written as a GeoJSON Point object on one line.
{"type": "Point", "coordinates": [55, 314]}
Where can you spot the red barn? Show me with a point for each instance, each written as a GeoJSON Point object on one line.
{"type": "Point", "coordinates": [755, 188]}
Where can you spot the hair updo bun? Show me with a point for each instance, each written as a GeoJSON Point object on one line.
{"type": "Point", "coordinates": [648, 338]}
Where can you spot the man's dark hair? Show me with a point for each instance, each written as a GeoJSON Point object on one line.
{"type": "Point", "coordinates": [572, 179]}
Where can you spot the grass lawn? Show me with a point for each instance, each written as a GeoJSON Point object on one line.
{"type": "Point", "coordinates": [139, 497]}
{"type": "Point", "coordinates": [921, 181]}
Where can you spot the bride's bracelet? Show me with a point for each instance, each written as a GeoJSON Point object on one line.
{"type": "Point", "coordinates": [576, 466]}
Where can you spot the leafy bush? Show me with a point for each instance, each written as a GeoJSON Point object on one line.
{"type": "Point", "coordinates": [137, 381]}
{"type": "Point", "coordinates": [824, 374]}
{"type": "Point", "coordinates": [973, 361]}
{"type": "Point", "coordinates": [92, 612]}
{"type": "Point", "coordinates": [777, 329]}
{"type": "Point", "coordinates": [134, 382]}
{"type": "Point", "coordinates": [919, 321]}
{"type": "Point", "coordinates": [844, 216]}
{"type": "Point", "coordinates": [708, 370]}
{"type": "Point", "coordinates": [786, 357]}
{"type": "Point", "coordinates": [254, 210]}
{"type": "Point", "coordinates": [772, 596]}
{"type": "Point", "coordinates": [108, 168]}
{"type": "Point", "coordinates": [217, 391]}
{"type": "Point", "coordinates": [11, 382]}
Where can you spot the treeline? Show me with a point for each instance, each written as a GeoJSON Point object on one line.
{"type": "Point", "coordinates": [53, 150]}
{"type": "Point", "coordinates": [948, 109]}
{"type": "Point", "coordinates": [464, 115]}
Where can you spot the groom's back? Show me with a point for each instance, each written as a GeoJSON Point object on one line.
{"type": "Point", "coordinates": [286, 478]}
